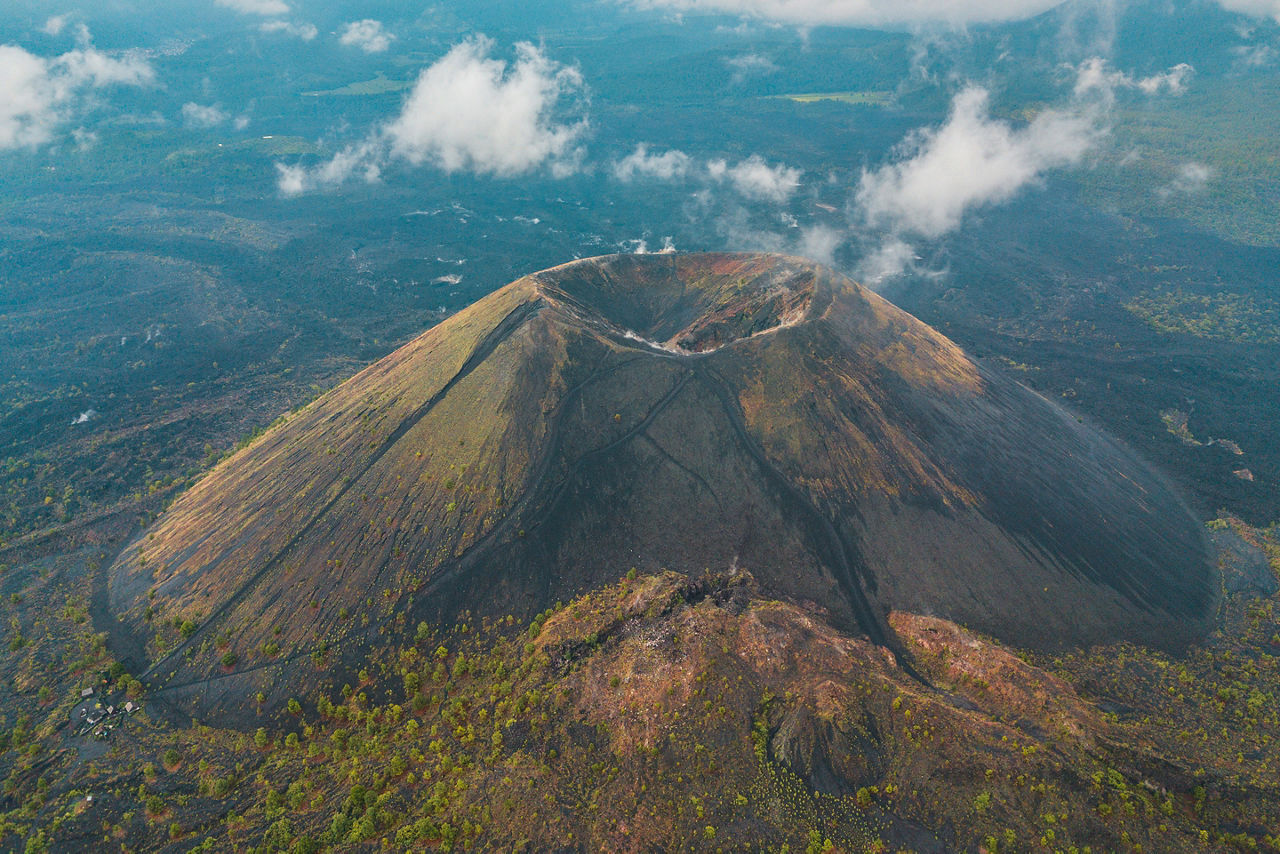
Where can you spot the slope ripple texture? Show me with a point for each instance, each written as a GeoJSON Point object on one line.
{"type": "Point", "coordinates": [658, 411]}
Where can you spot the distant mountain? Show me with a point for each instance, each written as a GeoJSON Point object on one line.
{"type": "Point", "coordinates": [657, 411]}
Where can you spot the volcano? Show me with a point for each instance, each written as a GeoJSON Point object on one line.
{"type": "Point", "coordinates": [685, 412]}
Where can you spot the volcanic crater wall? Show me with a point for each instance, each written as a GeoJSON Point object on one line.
{"type": "Point", "coordinates": [683, 412]}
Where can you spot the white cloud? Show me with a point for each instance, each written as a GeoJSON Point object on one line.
{"type": "Point", "coordinates": [867, 13]}
{"type": "Point", "coordinates": [256, 7]}
{"type": "Point", "coordinates": [470, 112]}
{"type": "Point", "coordinates": [85, 139]}
{"type": "Point", "coordinates": [752, 178]}
{"type": "Point", "coordinates": [38, 94]}
{"type": "Point", "coordinates": [1095, 77]}
{"type": "Point", "coordinates": [640, 163]}
{"type": "Point", "coordinates": [55, 25]}
{"type": "Point", "coordinates": [890, 259]}
{"type": "Point", "coordinates": [756, 179]}
{"type": "Point", "coordinates": [363, 160]}
{"type": "Point", "coordinates": [972, 160]}
{"type": "Point", "coordinates": [640, 246]}
{"type": "Point", "coordinates": [1191, 178]}
{"type": "Point", "coordinates": [94, 68]}
{"type": "Point", "coordinates": [940, 174]}
{"type": "Point", "coordinates": [1254, 55]}
{"type": "Point", "coordinates": [820, 243]}
{"type": "Point", "coordinates": [1256, 8]}
{"type": "Point", "coordinates": [367, 35]}
{"type": "Point", "coordinates": [1172, 81]}
{"type": "Point", "coordinates": [303, 31]}
{"type": "Point", "coordinates": [750, 64]}
{"type": "Point", "coordinates": [201, 116]}
{"type": "Point", "coordinates": [294, 180]}
{"type": "Point", "coordinates": [30, 103]}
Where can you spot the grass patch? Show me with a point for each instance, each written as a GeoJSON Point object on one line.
{"type": "Point", "coordinates": [866, 99]}
{"type": "Point", "coordinates": [1238, 318]}
{"type": "Point", "coordinates": [379, 85]}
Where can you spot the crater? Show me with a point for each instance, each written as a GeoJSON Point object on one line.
{"type": "Point", "coordinates": [686, 304]}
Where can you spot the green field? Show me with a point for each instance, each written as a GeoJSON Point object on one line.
{"type": "Point", "coordinates": [866, 99]}
{"type": "Point", "coordinates": [1223, 316]}
{"type": "Point", "coordinates": [379, 85]}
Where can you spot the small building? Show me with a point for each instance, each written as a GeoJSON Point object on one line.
{"type": "Point", "coordinates": [86, 693]}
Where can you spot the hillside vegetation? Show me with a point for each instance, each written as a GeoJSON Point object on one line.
{"type": "Point", "coordinates": [668, 712]}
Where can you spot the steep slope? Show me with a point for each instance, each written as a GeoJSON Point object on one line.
{"type": "Point", "coordinates": [658, 411]}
